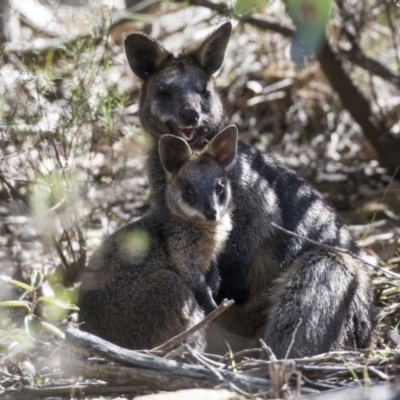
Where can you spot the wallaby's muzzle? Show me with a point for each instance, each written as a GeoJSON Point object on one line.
{"type": "Point", "coordinates": [189, 117]}
{"type": "Point", "coordinates": [189, 120]}
{"type": "Point", "coordinates": [210, 212]}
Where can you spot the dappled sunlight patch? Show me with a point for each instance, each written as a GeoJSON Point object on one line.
{"type": "Point", "coordinates": [135, 244]}
{"type": "Point", "coordinates": [55, 202]}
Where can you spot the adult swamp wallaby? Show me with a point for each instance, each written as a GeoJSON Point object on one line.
{"type": "Point", "coordinates": [279, 282]}
{"type": "Point", "coordinates": [155, 277]}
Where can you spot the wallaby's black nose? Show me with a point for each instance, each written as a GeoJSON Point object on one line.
{"type": "Point", "coordinates": [210, 213]}
{"type": "Point", "coordinates": [189, 116]}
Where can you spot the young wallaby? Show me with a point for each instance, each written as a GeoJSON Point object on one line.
{"type": "Point", "coordinates": [281, 284]}
{"type": "Point", "coordinates": [154, 278]}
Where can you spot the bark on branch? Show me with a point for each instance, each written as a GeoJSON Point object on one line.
{"type": "Point", "coordinates": [379, 135]}
{"type": "Point", "coordinates": [145, 369]}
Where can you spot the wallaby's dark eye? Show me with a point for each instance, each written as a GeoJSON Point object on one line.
{"type": "Point", "coordinates": [188, 191]}
{"type": "Point", "coordinates": [189, 194]}
{"type": "Point", "coordinates": [164, 92]}
{"type": "Point", "coordinates": [219, 188]}
{"type": "Point", "coordinates": [201, 87]}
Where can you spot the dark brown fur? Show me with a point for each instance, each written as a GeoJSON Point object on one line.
{"type": "Point", "coordinates": [275, 279]}
{"type": "Point", "coordinates": [155, 277]}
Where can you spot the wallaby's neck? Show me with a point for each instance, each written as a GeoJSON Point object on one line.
{"type": "Point", "coordinates": [156, 176]}
{"type": "Point", "coordinates": [202, 240]}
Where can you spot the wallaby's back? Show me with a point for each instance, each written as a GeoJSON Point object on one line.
{"type": "Point", "coordinates": [291, 279]}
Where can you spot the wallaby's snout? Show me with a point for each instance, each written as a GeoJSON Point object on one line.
{"type": "Point", "coordinates": [210, 212]}
{"type": "Point", "coordinates": [189, 116]}
{"type": "Point", "coordinates": [188, 120]}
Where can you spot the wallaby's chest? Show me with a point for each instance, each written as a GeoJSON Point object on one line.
{"type": "Point", "coordinates": [196, 247]}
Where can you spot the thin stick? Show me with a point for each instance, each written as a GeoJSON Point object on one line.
{"type": "Point", "coordinates": [339, 249]}
{"type": "Point", "coordinates": [293, 338]}
{"type": "Point", "coordinates": [175, 352]}
{"type": "Point", "coordinates": [171, 343]}
{"type": "Point", "coordinates": [267, 350]}
{"type": "Point", "coordinates": [204, 363]}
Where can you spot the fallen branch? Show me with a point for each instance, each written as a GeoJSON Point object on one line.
{"type": "Point", "coordinates": [68, 391]}
{"type": "Point", "coordinates": [135, 373]}
{"type": "Point", "coordinates": [338, 249]}
{"type": "Point", "coordinates": [142, 379]}
{"type": "Point", "coordinates": [198, 376]}
{"type": "Point", "coordinates": [178, 339]}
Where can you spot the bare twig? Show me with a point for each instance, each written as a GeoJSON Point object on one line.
{"type": "Point", "coordinates": [12, 191]}
{"type": "Point", "coordinates": [293, 338]}
{"type": "Point", "coordinates": [178, 339]}
{"type": "Point", "coordinates": [338, 249]}
{"type": "Point", "coordinates": [357, 57]}
{"type": "Point", "coordinates": [267, 350]}
{"type": "Point", "coordinates": [381, 202]}
{"type": "Point", "coordinates": [204, 363]}
{"type": "Point", "coordinates": [255, 20]}
{"type": "Point", "coordinates": [175, 353]}
{"type": "Point", "coordinates": [57, 47]}
{"type": "Point", "coordinates": [125, 16]}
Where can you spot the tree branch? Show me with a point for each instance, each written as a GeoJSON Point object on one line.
{"type": "Point", "coordinates": [199, 376]}
{"type": "Point", "coordinates": [385, 143]}
{"type": "Point", "coordinates": [357, 57]}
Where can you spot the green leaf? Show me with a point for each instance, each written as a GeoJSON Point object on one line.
{"type": "Point", "coordinates": [16, 303]}
{"type": "Point", "coordinates": [310, 18]}
{"type": "Point", "coordinates": [60, 303]}
{"type": "Point", "coordinates": [53, 329]}
{"type": "Point", "coordinates": [33, 326]}
{"type": "Point", "coordinates": [243, 7]}
{"type": "Point", "coordinates": [17, 283]}
{"type": "Point", "coordinates": [36, 279]}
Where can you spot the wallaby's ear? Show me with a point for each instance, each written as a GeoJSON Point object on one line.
{"type": "Point", "coordinates": [144, 54]}
{"type": "Point", "coordinates": [223, 146]}
{"type": "Point", "coordinates": [174, 151]}
{"type": "Point", "coordinates": [211, 52]}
